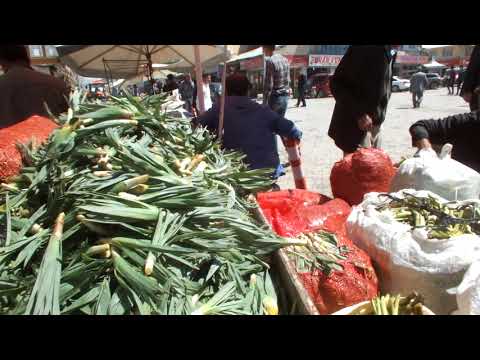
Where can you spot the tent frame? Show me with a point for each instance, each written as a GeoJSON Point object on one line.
{"type": "Point", "coordinates": [124, 64]}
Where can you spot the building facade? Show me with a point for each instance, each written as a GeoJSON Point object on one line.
{"type": "Point", "coordinates": [44, 58]}
{"type": "Point", "coordinates": [452, 55]}
{"type": "Point", "coordinates": [411, 49]}
{"type": "Point", "coordinates": [306, 59]}
{"type": "Point", "coordinates": [313, 59]}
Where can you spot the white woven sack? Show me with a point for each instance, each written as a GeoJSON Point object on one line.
{"type": "Point", "coordinates": [468, 293]}
{"type": "Point", "coordinates": [406, 260]}
{"type": "Point", "coordinates": [441, 175]}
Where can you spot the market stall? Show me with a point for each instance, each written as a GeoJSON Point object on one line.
{"type": "Point", "coordinates": [145, 216]}
{"type": "Point", "coordinates": [118, 208]}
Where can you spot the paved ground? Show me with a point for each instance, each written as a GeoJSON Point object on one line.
{"type": "Point", "coordinates": [319, 153]}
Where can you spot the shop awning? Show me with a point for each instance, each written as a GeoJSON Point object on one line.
{"type": "Point", "coordinates": [247, 55]}
{"type": "Point", "coordinates": [456, 61]}
{"type": "Point", "coordinates": [246, 48]}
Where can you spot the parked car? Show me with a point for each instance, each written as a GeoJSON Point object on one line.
{"type": "Point", "coordinates": [400, 84]}
{"type": "Point", "coordinates": [318, 85]}
{"type": "Point", "coordinates": [434, 81]}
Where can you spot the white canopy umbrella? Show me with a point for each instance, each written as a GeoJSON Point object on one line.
{"type": "Point", "coordinates": [125, 61]}
{"type": "Point", "coordinates": [434, 64]}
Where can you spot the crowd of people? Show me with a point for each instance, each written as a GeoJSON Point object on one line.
{"type": "Point", "coordinates": [361, 86]}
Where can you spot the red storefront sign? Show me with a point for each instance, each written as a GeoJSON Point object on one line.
{"type": "Point", "coordinates": [456, 61]}
{"type": "Point", "coordinates": [256, 63]}
{"type": "Point", "coordinates": [324, 60]}
{"type": "Point", "coordinates": [411, 59]}
{"type": "Point", "coordinates": [297, 61]}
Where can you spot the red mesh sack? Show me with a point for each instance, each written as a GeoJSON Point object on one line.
{"type": "Point", "coordinates": [357, 282]}
{"type": "Point", "coordinates": [330, 216]}
{"type": "Point", "coordinates": [10, 158]}
{"type": "Point", "coordinates": [341, 289]}
{"type": "Point", "coordinates": [292, 212]}
{"type": "Point", "coordinates": [366, 170]}
{"type": "Point", "coordinates": [286, 199]}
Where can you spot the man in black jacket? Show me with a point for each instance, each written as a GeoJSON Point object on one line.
{"type": "Point", "coordinates": [301, 88]}
{"type": "Point", "coordinates": [471, 83]}
{"type": "Point", "coordinates": [24, 91]}
{"type": "Point", "coordinates": [361, 86]}
{"type": "Point", "coordinates": [459, 130]}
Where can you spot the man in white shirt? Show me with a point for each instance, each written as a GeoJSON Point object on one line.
{"type": "Point", "coordinates": [24, 91]}
{"type": "Point", "coordinates": [206, 94]}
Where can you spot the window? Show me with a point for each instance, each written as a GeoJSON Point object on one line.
{"type": "Point", "coordinates": [36, 51]}
{"type": "Point", "coordinates": [51, 51]}
{"type": "Point", "coordinates": [447, 52]}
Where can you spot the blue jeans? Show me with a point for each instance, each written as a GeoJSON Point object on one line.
{"type": "Point", "coordinates": [278, 104]}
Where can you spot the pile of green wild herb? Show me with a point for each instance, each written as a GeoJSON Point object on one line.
{"type": "Point", "coordinates": [127, 211]}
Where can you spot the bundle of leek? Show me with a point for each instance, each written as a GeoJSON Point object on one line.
{"type": "Point", "coordinates": [140, 235]}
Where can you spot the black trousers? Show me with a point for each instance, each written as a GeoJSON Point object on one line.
{"type": "Point", "coordinates": [451, 88]}
{"type": "Point", "coordinates": [301, 97]}
{"type": "Point", "coordinates": [459, 87]}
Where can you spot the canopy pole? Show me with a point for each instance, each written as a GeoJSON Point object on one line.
{"type": "Point", "coordinates": [150, 67]}
{"type": "Point", "coordinates": [222, 102]}
{"type": "Point", "coordinates": [199, 74]}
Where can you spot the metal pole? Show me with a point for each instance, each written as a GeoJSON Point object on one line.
{"type": "Point", "coordinates": [149, 68]}
{"type": "Point", "coordinates": [106, 75]}
{"type": "Point", "coordinates": [222, 102]}
{"type": "Point", "coordinates": [198, 72]}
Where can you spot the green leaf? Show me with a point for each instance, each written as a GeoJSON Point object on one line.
{"type": "Point", "coordinates": [120, 303]}
{"type": "Point", "coordinates": [104, 298]}
{"type": "Point", "coordinates": [45, 296]}
{"type": "Point", "coordinates": [87, 298]}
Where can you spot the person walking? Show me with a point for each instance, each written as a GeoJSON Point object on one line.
{"type": "Point", "coordinates": [460, 78]}
{"type": "Point", "coordinates": [186, 89]}
{"type": "Point", "coordinates": [471, 83]}
{"type": "Point", "coordinates": [361, 86]}
{"type": "Point", "coordinates": [276, 81]}
{"type": "Point", "coordinates": [451, 81]}
{"type": "Point", "coordinates": [24, 92]}
{"type": "Point", "coordinates": [418, 84]}
{"type": "Point", "coordinates": [301, 87]}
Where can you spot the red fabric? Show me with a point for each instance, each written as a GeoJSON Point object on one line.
{"type": "Point", "coordinates": [286, 199]}
{"type": "Point", "coordinates": [293, 212]}
{"type": "Point", "coordinates": [356, 283]}
{"type": "Point", "coordinates": [367, 170]}
{"type": "Point", "coordinates": [22, 132]}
